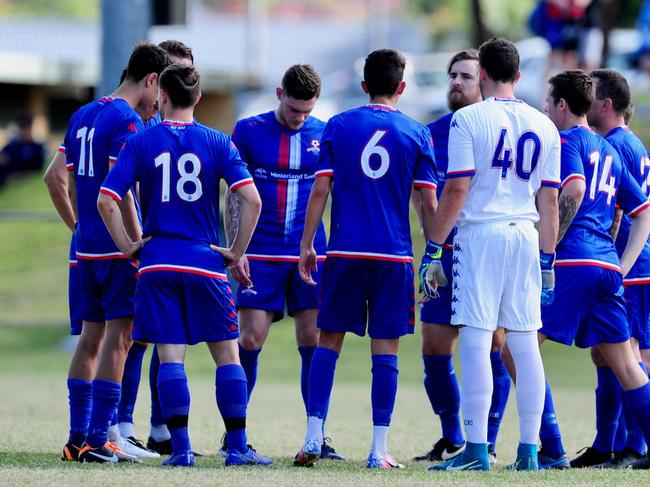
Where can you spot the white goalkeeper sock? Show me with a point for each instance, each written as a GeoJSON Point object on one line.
{"type": "Point", "coordinates": [160, 432]}
{"type": "Point", "coordinates": [531, 384]}
{"type": "Point", "coordinates": [113, 433]}
{"type": "Point", "coordinates": [379, 440]}
{"type": "Point", "coordinates": [314, 429]}
{"type": "Point", "coordinates": [126, 429]}
{"type": "Point", "coordinates": [476, 390]}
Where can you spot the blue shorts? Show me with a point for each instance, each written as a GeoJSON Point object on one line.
{"type": "Point", "coordinates": [588, 307]}
{"type": "Point", "coordinates": [637, 302]}
{"type": "Point", "coordinates": [359, 292]}
{"type": "Point", "coordinates": [275, 283]}
{"type": "Point", "coordinates": [438, 310]}
{"type": "Point", "coordinates": [183, 308]}
{"type": "Point", "coordinates": [107, 289]}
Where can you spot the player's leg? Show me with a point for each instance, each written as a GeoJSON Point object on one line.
{"type": "Point", "coordinates": [254, 325]}
{"type": "Point", "coordinates": [441, 383]}
{"type": "Point", "coordinates": [159, 437]}
{"type": "Point", "coordinates": [307, 340]}
{"type": "Point", "coordinates": [80, 375]}
{"type": "Point", "coordinates": [500, 392]}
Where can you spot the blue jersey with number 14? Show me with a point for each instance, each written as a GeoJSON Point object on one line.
{"type": "Point", "coordinates": [179, 166]}
{"type": "Point", "coordinates": [588, 156]}
{"type": "Point", "coordinates": [375, 155]}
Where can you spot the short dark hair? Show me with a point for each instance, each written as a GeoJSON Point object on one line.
{"type": "Point", "coordinates": [383, 72]}
{"type": "Point", "coordinates": [613, 85]}
{"type": "Point", "coordinates": [182, 84]}
{"type": "Point", "coordinates": [500, 59]}
{"type": "Point", "coordinates": [146, 58]}
{"type": "Point", "coordinates": [178, 49]}
{"type": "Point", "coordinates": [628, 113]}
{"type": "Point", "coordinates": [466, 55]}
{"type": "Point", "coordinates": [302, 82]}
{"type": "Point", "coordinates": [575, 86]}
{"type": "Point", "coordinates": [24, 120]}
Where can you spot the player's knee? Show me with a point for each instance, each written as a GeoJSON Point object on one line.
{"type": "Point", "coordinates": [251, 340]}
{"type": "Point", "coordinates": [437, 347]}
{"type": "Point", "coordinates": [88, 347]}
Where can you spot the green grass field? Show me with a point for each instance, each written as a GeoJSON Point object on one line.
{"type": "Point", "coordinates": [33, 408]}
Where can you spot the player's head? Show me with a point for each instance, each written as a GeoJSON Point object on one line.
{"type": "Point", "coordinates": [179, 88]}
{"type": "Point", "coordinates": [628, 114]}
{"type": "Point", "coordinates": [569, 96]}
{"type": "Point", "coordinates": [611, 97]}
{"type": "Point", "coordinates": [383, 73]}
{"type": "Point", "coordinates": [498, 61]}
{"type": "Point", "coordinates": [146, 63]}
{"type": "Point", "coordinates": [298, 94]}
{"type": "Point", "coordinates": [178, 52]}
{"type": "Point", "coordinates": [464, 88]}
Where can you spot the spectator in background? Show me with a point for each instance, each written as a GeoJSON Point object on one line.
{"type": "Point", "coordinates": [22, 154]}
{"type": "Point", "coordinates": [642, 57]}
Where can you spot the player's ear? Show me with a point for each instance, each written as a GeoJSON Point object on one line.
{"type": "Point", "coordinates": [278, 92]}
{"type": "Point", "coordinates": [363, 86]}
{"type": "Point", "coordinates": [198, 98]}
{"type": "Point", "coordinates": [150, 80]}
{"type": "Point", "coordinates": [517, 78]}
{"type": "Point", "coordinates": [482, 74]}
{"type": "Point", "coordinates": [401, 87]}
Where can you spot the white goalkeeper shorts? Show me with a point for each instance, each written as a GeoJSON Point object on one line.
{"type": "Point", "coordinates": [497, 280]}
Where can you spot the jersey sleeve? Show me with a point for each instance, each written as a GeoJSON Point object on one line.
{"type": "Point", "coordinates": [571, 166]}
{"type": "Point", "coordinates": [123, 175]}
{"type": "Point", "coordinates": [239, 139]}
{"type": "Point", "coordinates": [461, 150]}
{"type": "Point", "coordinates": [551, 167]}
{"type": "Point", "coordinates": [630, 195]}
{"type": "Point", "coordinates": [125, 129]}
{"type": "Point", "coordinates": [325, 164]}
{"type": "Point", "coordinates": [425, 166]}
{"type": "Point", "coordinates": [234, 170]}
{"type": "Point", "coordinates": [69, 164]}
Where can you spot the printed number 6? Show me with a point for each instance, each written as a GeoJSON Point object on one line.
{"type": "Point", "coordinates": [371, 149]}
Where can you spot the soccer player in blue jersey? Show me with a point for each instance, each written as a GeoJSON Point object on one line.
{"type": "Point", "coordinates": [183, 296]}
{"type": "Point", "coordinates": [281, 149]}
{"type": "Point", "coordinates": [503, 174]}
{"type": "Point", "coordinates": [607, 117]}
{"type": "Point", "coordinates": [438, 336]}
{"type": "Point", "coordinates": [107, 277]}
{"type": "Point", "coordinates": [589, 308]}
{"type": "Point", "coordinates": [372, 157]}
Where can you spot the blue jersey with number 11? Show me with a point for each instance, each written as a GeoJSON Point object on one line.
{"type": "Point", "coordinates": [375, 155]}
{"type": "Point", "coordinates": [179, 166]}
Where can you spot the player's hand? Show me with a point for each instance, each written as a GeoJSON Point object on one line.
{"type": "Point", "coordinates": [548, 277]}
{"type": "Point", "coordinates": [431, 273]}
{"type": "Point", "coordinates": [241, 272]}
{"type": "Point", "coordinates": [134, 248]}
{"type": "Point", "coordinates": [229, 256]}
{"type": "Point", "coordinates": [307, 264]}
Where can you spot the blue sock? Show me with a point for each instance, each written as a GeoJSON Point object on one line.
{"type": "Point", "coordinates": [638, 401]}
{"type": "Point", "coordinates": [306, 354]}
{"type": "Point", "coordinates": [321, 379]}
{"type": "Point", "coordinates": [608, 409]}
{"type": "Point", "coordinates": [549, 433]}
{"type": "Point", "coordinates": [635, 437]}
{"type": "Point", "coordinates": [620, 440]}
{"type": "Point", "coordinates": [106, 395]}
{"type": "Point", "coordinates": [500, 393]}
{"type": "Point", "coordinates": [232, 399]}
{"type": "Point", "coordinates": [248, 359]}
{"type": "Point", "coordinates": [441, 385]}
{"type": "Point", "coordinates": [157, 417]}
{"type": "Point", "coordinates": [384, 388]}
{"type": "Point", "coordinates": [130, 382]}
{"type": "Point", "coordinates": [80, 398]}
{"type": "Point", "coordinates": [174, 398]}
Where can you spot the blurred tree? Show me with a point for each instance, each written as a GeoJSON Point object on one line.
{"type": "Point", "coordinates": [79, 9]}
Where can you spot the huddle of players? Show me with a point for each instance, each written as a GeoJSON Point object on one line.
{"type": "Point", "coordinates": [371, 159]}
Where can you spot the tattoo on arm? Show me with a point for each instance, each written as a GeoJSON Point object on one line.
{"type": "Point", "coordinates": [231, 221]}
{"type": "Point", "coordinates": [568, 209]}
{"type": "Point", "coordinates": [618, 216]}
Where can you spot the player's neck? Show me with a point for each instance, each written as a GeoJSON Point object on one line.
{"type": "Point", "coordinates": [574, 121]}
{"type": "Point", "coordinates": [606, 126]}
{"type": "Point", "coordinates": [391, 101]}
{"type": "Point", "coordinates": [128, 92]}
{"type": "Point", "coordinates": [497, 90]}
{"type": "Point", "coordinates": [179, 114]}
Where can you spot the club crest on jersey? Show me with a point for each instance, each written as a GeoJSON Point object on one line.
{"type": "Point", "coordinates": [314, 146]}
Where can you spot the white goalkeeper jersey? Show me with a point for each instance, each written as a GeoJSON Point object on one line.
{"type": "Point", "coordinates": [510, 150]}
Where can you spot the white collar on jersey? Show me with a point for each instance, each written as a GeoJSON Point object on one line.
{"type": "Point", "coordinates": [381, 106]}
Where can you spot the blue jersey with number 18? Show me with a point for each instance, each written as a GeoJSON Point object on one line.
{"type": "Point", "coordinates": [588, 156]}
{"type": "Point", "coordinates": [375, 155]}
{"type": "Point", "coordinates": [179, 166]}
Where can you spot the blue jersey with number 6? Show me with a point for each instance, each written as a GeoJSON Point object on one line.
{"type": "Point", "coordinates": [588, 156]}
{"type": "Point", "coordinates": [375, 155]}
{"type": "Point", "coordinates": [179, 166]}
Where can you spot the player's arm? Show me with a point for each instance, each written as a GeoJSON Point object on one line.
{"type": "Point", "coordinates": [548, 226]}
{"type": "Point", "coordinates": [416, 201]}
{"type": "Point", "coordinates": [56, 180]}
{"type": "Point", "coordinates": [428, 207]}
{"type": "Point", "coordinates": [616, 224]}
{"type": "Point", "coordinates": [315, 207]}
{"type": "Point", "coordinates": [129, 213]}
{"type": "Point", "coordinates": [112, 216]}
{"type": "Point", "coordinates": [570, 200]}
{"type": "Point", "coordinates": [451, 204]}
{"type": "Point", "coordinates": [639, 231]}
{"type": "Point", "coordinates": [251, 206]}
{"type": "Point", "coordinates": [233, 212]}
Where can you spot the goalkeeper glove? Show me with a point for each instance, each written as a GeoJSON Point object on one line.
{"type": "Point", "coordinates": [431, 268]}
{"type": "Point", "coordinates": [548, 277]}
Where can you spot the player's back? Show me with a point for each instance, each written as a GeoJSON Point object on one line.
{"type": "Point", "coordinates": [587, 155]}
{"type": "Point", "coordinates": [510, 149]}
{"type": "Point", "coordinates": [93, 139]}
{"type": "Point", "coordinates": [179, 166]}
{"type": "Point", "coordinates": [375, 154]}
